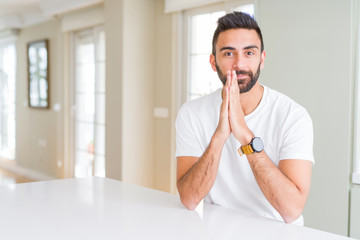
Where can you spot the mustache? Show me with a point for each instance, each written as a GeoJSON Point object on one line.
{"type": "Point", "coordinates": [244, 72]}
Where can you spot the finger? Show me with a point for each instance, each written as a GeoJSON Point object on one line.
{"type": "Point", "coordinates": [227, 84]}
{"type": "Point", "coordinates": [232, 81]}
{"type": "Point", "coordinates": [225, 102]}
{"type": "Point", "coordinates": [233, 78]}
{"type": "Point", "coordinates": [223, 92]}
{"type": "Point", "coordinates": [235, 85]}
{"type": "Point", "coordinates": [228, 101]}
{"type": "Point", "coordinates": [228, 79]}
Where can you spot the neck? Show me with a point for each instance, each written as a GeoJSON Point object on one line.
{"type": "Point", "coordinates": [250, 100]}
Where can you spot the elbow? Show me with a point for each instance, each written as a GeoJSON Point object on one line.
{"type": "Point", "coordinates": [293, 209]}
{"type": "Point", "coordinates": [186, 198]}
{"type": "Point", "coordinates": [190, 204]}
{"type": "Point", "coordinates": [292, 215]}
{"type": "Point", "coordinates": [291, 219]}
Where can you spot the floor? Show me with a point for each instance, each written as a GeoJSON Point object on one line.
{"type": "Point", "coordinates": [7, 177]}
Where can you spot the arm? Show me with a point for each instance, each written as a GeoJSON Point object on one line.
{"type": "Point", "coordinates": [196, 176]}
{"type": "Point", "coordinates": [286, 187]}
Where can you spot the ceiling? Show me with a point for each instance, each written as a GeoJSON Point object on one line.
{"type": "Point", "coordinates": [23, 13]}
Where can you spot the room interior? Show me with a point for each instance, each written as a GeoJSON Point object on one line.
{"type": "Point", "coordinates": [312, 55]}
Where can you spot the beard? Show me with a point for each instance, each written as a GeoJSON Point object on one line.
{"type": "Point", "coordinates": [248, 84]}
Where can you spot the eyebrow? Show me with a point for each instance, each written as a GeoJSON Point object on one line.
{"type": "Point", "coordinates": [232, 48]}
{"type": "Point", "coordinates": [251, 46]}
{"type": "Point", "coordinates": [227, 48]}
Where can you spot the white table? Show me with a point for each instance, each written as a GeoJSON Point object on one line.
{"type": "Point", "coordinates": [101, 208]}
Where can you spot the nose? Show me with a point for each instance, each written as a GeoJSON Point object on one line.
{"type": "Point", "coordinates": [239, 62]}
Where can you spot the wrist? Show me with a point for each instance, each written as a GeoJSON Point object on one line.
{"type": "Point", "coordinates": [219, 138]}
{"type": "Point", "coordinates": [245, 137]}
{"type": "Point", "coordinates": [255, 146]}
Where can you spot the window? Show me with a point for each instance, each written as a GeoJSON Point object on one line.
{"type": "Point", "coordinates": [7, 101]}
{"type": "Point", "coordinates": [89, 103]}
{"type": "Point", "coordinates": [200, 25]}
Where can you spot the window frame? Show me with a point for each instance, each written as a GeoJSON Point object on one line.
{"type": "Point", "coordinates": [186, 38]}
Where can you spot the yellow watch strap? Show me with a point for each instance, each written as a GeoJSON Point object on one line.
{"type": "Point", "coordinates": [247, 149]}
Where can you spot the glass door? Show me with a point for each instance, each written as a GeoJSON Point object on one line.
{"type": "Point", "coordinates": [89, 103]}
{"type": "Point", "coordinates": [7, 101]}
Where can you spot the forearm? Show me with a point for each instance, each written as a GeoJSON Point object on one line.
{"type": "Point", "coordinates": [279, 190]}
{"type": "Point", "coordinates": [197, 182]}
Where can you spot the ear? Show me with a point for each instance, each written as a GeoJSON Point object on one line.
{"type": "Point", "coordinates": [212, 61]}
{"type": "Point", "coordinates": [262, 59]}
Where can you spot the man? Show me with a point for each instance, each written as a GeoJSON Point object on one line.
{"type": "Point", "coordinates": [244, 146]}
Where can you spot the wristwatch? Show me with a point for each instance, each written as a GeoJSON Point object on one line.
{"type": "Point", "coordinates": [256, 145]}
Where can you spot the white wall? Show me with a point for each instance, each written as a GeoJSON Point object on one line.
{"type": "Point", "coordinates": [130, 88]}
{"type": "Point", "coordinates": [114, 87]}
{"type": "Point", "coordinates": [138, 76]}
{"type": "Point", "coordinates": [309, 59]}
{"type": "Point", "coordinates": [138, 92]}
{"type": "Point", "coordinates": [162, 98]}
{"type": "Point", "coordinates": [44, 125]}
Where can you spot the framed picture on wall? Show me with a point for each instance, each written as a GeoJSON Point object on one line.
{"type": "Point", "coordinates": [38, 73]}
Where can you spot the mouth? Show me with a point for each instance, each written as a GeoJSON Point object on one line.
{"type": "Point", "coordinates": [242, 77]}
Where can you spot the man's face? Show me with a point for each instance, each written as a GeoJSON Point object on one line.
{"type": "Point", "coordinates": [239, 50]}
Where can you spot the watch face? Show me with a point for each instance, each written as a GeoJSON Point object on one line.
{"type": "Point", "coordinates": [257, 144]}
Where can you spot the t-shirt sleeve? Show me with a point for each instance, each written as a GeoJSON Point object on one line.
{"type": "Point", "coordinates": [186, 142]}
{"type": "Point", "coordinates": [298, 138]}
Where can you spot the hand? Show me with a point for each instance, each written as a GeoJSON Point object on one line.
{"type": "Point", "coordinates": [223, 129]}
{"type": "Point", "coordinates": [236, 115]}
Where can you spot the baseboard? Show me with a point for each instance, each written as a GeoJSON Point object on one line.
{"type": "Point", "coordinates": [26, 172]}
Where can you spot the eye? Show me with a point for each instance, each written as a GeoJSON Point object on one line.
{"type": "Point", "coordinates": [228, 54]}
{"type": "Point", "coordinates": [249, 53]}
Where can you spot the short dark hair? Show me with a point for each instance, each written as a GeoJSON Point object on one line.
{"type": "Point", "coordinates": [235, 20]}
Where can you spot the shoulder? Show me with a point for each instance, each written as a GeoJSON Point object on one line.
{"type": "Point", "coordinates": [284, 104]}
{"type": "Point", "coordinates": [201, 105]}
{"type": "Point", "coordinates": [287, 113]}
{"type": "Point", "coordinates": [292, 118]}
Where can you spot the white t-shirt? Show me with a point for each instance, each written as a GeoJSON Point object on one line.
{"type": "Point", "coordinates": [284, 126]}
